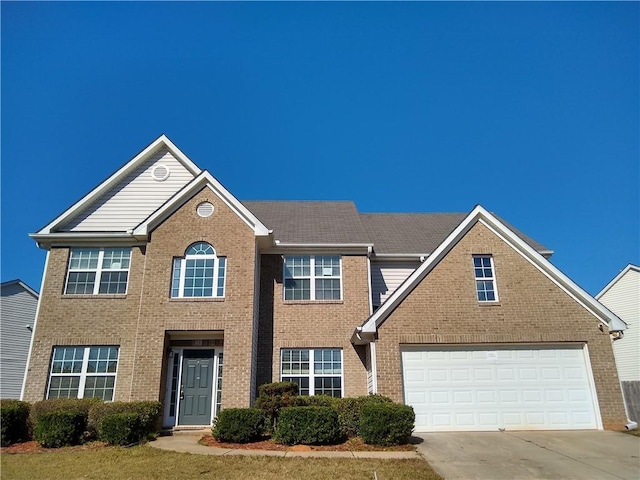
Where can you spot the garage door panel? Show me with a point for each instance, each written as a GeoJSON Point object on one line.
{"type": "Point", "coordinates": [492, 388]}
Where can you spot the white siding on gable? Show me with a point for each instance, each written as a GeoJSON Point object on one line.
{"type": "Point", "coordinates": [17, 310]}
{"type": "Point", "coordinates": [623, 299]}
{"type": "Point", "coordinates": [387, 276]}
{"type": "Point", "coordinates": [134, 198]}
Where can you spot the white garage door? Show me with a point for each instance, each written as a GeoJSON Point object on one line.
{"type": "Point", "coordinates": [515, 388]}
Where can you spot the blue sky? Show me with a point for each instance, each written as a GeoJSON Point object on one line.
{"type": "Point", "coordinates": [530, 109]}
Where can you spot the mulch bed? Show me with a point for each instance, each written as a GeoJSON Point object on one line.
{"type": "Point", "coordinates": [35, 447]}
{"type": "Point", "coordinates": [355, 444]}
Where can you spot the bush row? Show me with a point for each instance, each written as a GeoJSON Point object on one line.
{"type": "Point", "coordinates": [70, 421]}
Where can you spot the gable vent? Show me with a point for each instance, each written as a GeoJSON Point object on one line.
{"type": "Point", "coordinates": [160, 173]}
{"type": "Point", "coordinates": [205, 209]}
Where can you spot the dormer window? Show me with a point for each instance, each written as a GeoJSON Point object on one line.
{"type": "Point", "coordinates": [485, 278]}
{"type": "Point", "coordinates": [201, 273]}
{"type": "Point", "coordinates": [312, 277]}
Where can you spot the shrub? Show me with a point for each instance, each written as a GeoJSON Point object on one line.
{"type": "Point", "coordinates": [386, 423]}
{"type": "Point", "coordinates": [273, 397]}
{"type": "Point", "coordinates": [314, 401]}
{"type": "Point", "coordinates": [308, 425]}
{"type": "Point", "coordinates": [14, 422]}
{"type": "Point", "coordinates": [121, 428]}
{"type": "Point", "coordinates": [56, 429]}
{"type": "Point", "coordinates": [350, 409]}
{"type": "Point", "coordinates": [148, 414]}
{"type": "Point", "coordinates": [59, 405]}
{"type": "Point", "coordinates": [239, 425]}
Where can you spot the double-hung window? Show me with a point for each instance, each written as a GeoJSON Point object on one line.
{"type": "Point", "coordinates": [485, 278]}
{"type": "Point", "coordinates": [317, 372]}
{"type": "Point", "coordinates": [95, 271]}
{"type": "Point", "coordinates": [83, 372]}
{"type": "Point", "coordinates": [312, 277]}
{"type": "Point", "coordinates": [201, 273]}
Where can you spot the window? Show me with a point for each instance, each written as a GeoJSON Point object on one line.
{"type": "Point", "coordinates": [317, 372]}
{"type": "Point", "coordinates": [199, 274]}
{"type": "Point", "coordinates": [312, 277]}
{"type": "Point", "coordinates": [485, 278]}
{"type": "Point", "coordinates": [95, 271]}
{"type": "Point", "coordinates": [83, 372]}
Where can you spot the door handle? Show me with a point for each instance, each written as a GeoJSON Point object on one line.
{"type": "Point", "coordinates": [181, 393]}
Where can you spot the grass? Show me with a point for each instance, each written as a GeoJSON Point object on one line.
{"type": "Point", "coordinates": [145, 462]}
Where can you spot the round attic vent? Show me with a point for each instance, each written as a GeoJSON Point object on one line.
{"type": "Point", "coordinates": [205, 209]}
{"type": "Point", "coordinates": [160, 173]}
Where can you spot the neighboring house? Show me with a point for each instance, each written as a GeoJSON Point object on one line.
{"type": "Point", "coordinates": [160, 284]}
{"type": "Point", "coordinates": [622, 297]}
{"type": "Point", "coordinates": [17, 315]}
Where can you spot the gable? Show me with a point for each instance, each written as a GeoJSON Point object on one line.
{"type": "Point", "coordinates": [134, 198]}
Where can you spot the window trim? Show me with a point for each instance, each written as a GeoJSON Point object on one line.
{"type": "Point", "coordinates": [83, 374]}
{"type": "Point", "coordinates": [312, 278]}
{"type": "Point", "coordinates": [216, 273]}
{"type": "Point", "coordinates": [312, 375]}
{"type": "Point", "coordinates": [486, 279]}
{"type": "Point", "coordinates": [99, 270]}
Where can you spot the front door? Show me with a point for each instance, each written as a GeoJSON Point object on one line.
{"type": "Point", "coordinates": [196, 387]}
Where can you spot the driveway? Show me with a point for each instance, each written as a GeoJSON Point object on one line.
{"type": "Point", "coordinates": [586, 455]}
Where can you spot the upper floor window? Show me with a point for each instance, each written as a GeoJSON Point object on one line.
{"type": "Point", "coordinates": [98, 270]}
{"type": "Point", "coordinates": [312, 277]}
{"type": "Point", "coordinates": [485, 278]}
{"type": "Point", "coordinates": [201, 273]}
{"type": "Point", "coordinates": [83, 372]}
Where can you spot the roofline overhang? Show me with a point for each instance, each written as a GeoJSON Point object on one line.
{"type": "Point", "coordinates": [420, 257]}
{"type": "Point", "coordinates": [311, 248]}
{"type": "Point", "coordinates": [479, 214]}
{"type": "Point", "coordinates": [66, 239]}
{"type": "Point", "coordinates": [616, 279]}
{"type": "Point", "coordinates": [17, 281]}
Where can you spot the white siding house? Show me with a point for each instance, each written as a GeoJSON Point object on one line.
{"type": "Point", "coordinates": [17, 314]}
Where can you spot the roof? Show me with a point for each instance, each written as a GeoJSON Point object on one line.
{"type": "Point", "coordinates": [20, 283]}
{"type": "Point", "coordinates": [617, 278]}
{"type": "Point", "coordinates": [311, 222]}
{"type": "Point", "coordinates": [364, 333]}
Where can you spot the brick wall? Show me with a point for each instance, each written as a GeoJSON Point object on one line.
{"type": "Point", "coordinates": [313, 324]}
{"type": "Point", "coordinates": [443, 310]}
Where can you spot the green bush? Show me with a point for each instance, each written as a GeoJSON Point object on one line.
{"type": "Point", "coordinates": [350, 409]}
{"type": "Point", "coordinates": [121, 429]}
{"type": "Point", "coordinates": [308, 425]}
{"type": "Point", "coordinates": [314, 401]}
{"type": "Point", "coordinates": [273, 397]}
{"type": "Point", "coordinates": [14, 422]}
{"type": "Point", "coordinates": [148, 413]}
{"type": "Point", "coordinates": [59, 405]}
{"type": "Point", "coordinates": [239, 425]}
{"type": "Point", "coordinates": [56, 429]}
{"type": "Point", "coordinates": [386, 423]}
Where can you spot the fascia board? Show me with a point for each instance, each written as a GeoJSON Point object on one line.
{"type": "Point", "coordinates": [399, 256]}
{"type": "Point", "coordinates": [22, 284]}
{"type": "Point", "coordinates": [616, 279]}
{"type": "Point", "coordinates": [315, 248]}
{"type": "Point", "coordinates": [117, 176]}
{"type": "Point", "coordinates": [546, 267]}
{"type": "Point", "coordinates": [204, 179]}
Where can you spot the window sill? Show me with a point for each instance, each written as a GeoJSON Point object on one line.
{"type": "Point", "coordinates": [313, 302]}
{"type": "Point", "coordinates": [99, 295]}
{"type": "Point", "coordinates": [489, 304]}
{"type": "Point", "coordinates": [197, 299]}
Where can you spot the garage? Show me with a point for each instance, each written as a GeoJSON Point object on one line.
{"type": "Point", "coordinates": [473, 388]}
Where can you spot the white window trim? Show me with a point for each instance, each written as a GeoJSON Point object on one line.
{"type": "Point", "coordinates": [83, 374]}
{"type": "Point", "coordinates": [312, 278]}
{"type": "Point", "coordinates": [311, 375]}
{"type": "Point", "coordinates": [492, 278]}
{"type": "Point", "coordinates": [99, 270]}
{"type": "Point", "coordinates": [216, 273]}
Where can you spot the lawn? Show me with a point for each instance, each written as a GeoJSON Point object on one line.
{"type": "Point", "coordinates": [145, 462]}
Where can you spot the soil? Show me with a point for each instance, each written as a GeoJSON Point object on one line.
{"type": "Point", "coordinates": [35, 447]}
{"type": "Point", "coordinates": [355, 444]}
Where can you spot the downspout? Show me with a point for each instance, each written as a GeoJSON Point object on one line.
{"type": "Point", "coordinates": [372, 344]}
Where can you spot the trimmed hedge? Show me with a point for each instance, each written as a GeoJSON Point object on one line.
{"type": "Point", "coordinates": [308, 425]}
{"type": "Point", "coordinates": [315, 401]}
{"type": "Point", "coordinates": [80, 406]}
{"type": "Point", "coordinates": [349, 411]}
{"type": "Point", "coordinates": [239, 425]}
{"type": "Point", "coordinates": [121, 429]}
{"type": "Point", "coordinates": [278, 388]}
{"type": "Point", "coordinates": [57, 429]}
{"type": "Point", "coordinates": [386, 423]}
{"type": "Point", "coordinates": [148, 413]}
{"type": "Point", "coordinates": [14, 422]}
{"type": "Point", "coordinates": [273, 397]}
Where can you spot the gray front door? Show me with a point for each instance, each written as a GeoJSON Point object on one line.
{"type": "Point", "coordinates": [196, 387]}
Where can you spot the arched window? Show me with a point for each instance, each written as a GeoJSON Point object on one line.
{"type": "Point", "coordinates": [200, 273]}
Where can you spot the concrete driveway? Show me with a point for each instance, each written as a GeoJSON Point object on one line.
{"type": "Point", "coordinates": [588, 455]}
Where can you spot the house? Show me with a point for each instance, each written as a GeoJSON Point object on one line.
{"type": "Point", "coordinates": [17, 314]}
{"type": "Point", "coordinates": [622, 296]}
{"type": "Point", "coordinates": [160, 284]}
